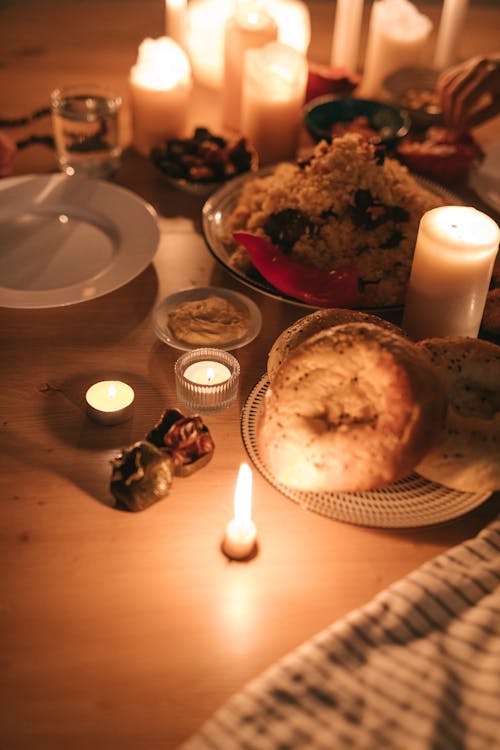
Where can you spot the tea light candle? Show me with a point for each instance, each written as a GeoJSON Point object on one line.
{"type": "Point", "coordinates": [110, 402]}
{"type": "Point", "coordinates": [274, 89]}
{"type": "Point", "coordinates": [207, 373]}
{"type": "Point", "coordinates": [207, 379]}
{"type": "Point", "coordinates": [249, 28]}
{"type": "Point", "coordinates": [397, 37]}
{"type": "Point", "coordinates": [451, 271]}
{"type": "Point", "coordinates": [241, 534]}
{"type": "Point", "coordinates": [175, 16]}
{"type": "Point", "coordinates": [450, 29]}
{"type": "Point", "coordinates": [346, 34]}
{"type": "Point", "coordinates": [160, 87]}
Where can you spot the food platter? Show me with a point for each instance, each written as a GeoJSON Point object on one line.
{"type": "Point", "coordinates": [65, 240]}
{"type": "Point", "coordinates": [218, 208]}
{"type": "Point", "coordinates": [411, 502]}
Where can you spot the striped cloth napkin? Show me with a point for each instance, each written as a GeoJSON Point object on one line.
{"type": "Point", "coordinates": [418, 667]}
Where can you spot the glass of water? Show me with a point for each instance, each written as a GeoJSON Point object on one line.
{"type": "Point", "coordinates": [85, 120]}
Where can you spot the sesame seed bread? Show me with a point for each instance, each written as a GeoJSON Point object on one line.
{"type": "Point", "coordinates": [467, 454]}
{"type": "Point", "coordinates": [312, 323]}
{"type": "Point", "coordinates": [353, 407]}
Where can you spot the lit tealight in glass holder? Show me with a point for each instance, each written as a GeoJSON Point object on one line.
{"type": "Point", "coordinates": [207, 379]}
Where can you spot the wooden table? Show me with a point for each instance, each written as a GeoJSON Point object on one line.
{"type": "Point", "coordinates": [129, 630]}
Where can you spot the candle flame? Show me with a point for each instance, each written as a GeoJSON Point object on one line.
{"type": "Point", "coordinates": [111, 391]}
{"type": "Point", "coordinates": [243, 497]}
{"type": "Point", "coordinates": [210, 374]}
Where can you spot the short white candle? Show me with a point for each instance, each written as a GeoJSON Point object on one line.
{"type": "Point", "coordinates": [346, 34]}
{"type": "Point", "coordinates": [249, 28]}
{"type": "Point", "coordinates": [450, 30]}
{"type": "Point", "coordinates": [397, 37]}
{"type": "Point", "coordinates": [451, 271]}
{"type": "Point", "coordinates": [110, 401]}
{"type": "Point", "coordinates": [160, 87]}
{"type": "Point", "coordinates": [241, 534]}
{"type": "Point", "coordinates": [274, 89]}
{"type": "Point", "coordinates": [206, 21]}
{"type": "Point", "coordinates": [175, 17]}
{"type": "Point", "coordinates": [207, 373]}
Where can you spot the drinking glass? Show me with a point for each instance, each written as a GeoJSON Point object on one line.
{"type": "Point", "coordinates": [85, 120]}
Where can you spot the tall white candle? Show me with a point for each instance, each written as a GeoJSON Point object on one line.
{"type": "Point", "coordinates": [450, 30]}
{"type": "Point", "coordinates": [397, 37]}
{"type": "Point", "coordinates": [451, 271]}
{"type": "Point", "coordinates": [249, 28]}
{"type": "Point", "coordinates": [160, 87]}
{"type": "Point", "coordinates": [346, 34]}
{"type": "Point", "coordinates": [274, 89]}
{"type": "Point", "coordinates": [175, 20]}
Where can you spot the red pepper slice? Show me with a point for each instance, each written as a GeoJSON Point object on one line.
{"type": "Point", "coordinates": [320, 288]}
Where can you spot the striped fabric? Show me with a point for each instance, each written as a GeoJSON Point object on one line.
{"type": "Point", "coordinates": [418, 667]}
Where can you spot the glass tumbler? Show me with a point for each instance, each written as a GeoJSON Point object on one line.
{"type": "Point", "coordinates": [85, 120]}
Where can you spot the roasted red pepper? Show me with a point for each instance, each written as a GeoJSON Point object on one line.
{"type": "Point", "coordinates": [320, 288]}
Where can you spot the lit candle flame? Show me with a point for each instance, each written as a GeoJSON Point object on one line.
{"type": "Point", "coordinates": [243, 497]}
{"type": "Point", "coordinates": [112, 391]}
{"type": "Point", "coordinates": [210, 374]}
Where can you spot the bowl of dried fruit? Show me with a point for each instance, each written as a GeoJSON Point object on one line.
{"type": "Point", "coordinates": [204, 162]}
{"type": "Point", "coordinates": [329, 117]}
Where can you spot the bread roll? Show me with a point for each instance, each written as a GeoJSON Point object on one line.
{"type": "Point", "coordinates": [467, 454]}
{"type": "Point", "coordinates": [354, 407]}
{"type": "Point", "coordinates": [310, 324]}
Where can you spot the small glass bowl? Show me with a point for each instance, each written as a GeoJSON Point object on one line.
{"type": "Point", "coordinates": [240, 301]}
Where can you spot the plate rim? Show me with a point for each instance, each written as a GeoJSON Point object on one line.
{"type": "Point", "coordinates": [106, 279]}
{"type": "Point", "coordinates": [199, 293]}
{"type": "Point", "coordinates": [362, 516]}
{"type": "Point", "coordinates": [207, 218]}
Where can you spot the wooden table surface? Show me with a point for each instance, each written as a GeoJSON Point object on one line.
{"type": "Point", "coordinates": [129, 630]}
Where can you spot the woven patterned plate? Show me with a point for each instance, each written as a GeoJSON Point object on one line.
{"type": "Point", "coordinates": [413, 501]}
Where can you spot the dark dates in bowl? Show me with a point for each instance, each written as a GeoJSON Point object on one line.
{"type": "Point", "coordinates": [204, 162]}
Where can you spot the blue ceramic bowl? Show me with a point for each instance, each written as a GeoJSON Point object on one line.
{"type": "Point", "coordinates": [322, 114]}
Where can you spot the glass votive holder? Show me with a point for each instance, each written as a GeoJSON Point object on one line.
{"type": "Point", "coordinates": [207, 379]}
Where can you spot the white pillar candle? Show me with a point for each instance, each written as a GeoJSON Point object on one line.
{"type": "Point", "coordinates": [397, 37]}
{"type": "Point", "coordinates": [110, 402]}
{"type": "Point", "coordinates": [450, 30]}
{"type": "Point", "coordinates": [274, 89]}
{"type": "Point", "coordinates": [249, 28]}
{"type": "Point", "coordinates": [241, 534]}
{"type": "Point", "coordinates": [206, 21]}
{"type": "Point", "coordinates": [346, 34]}
{"type": "Point", "coordinates": [175, 20]}
{"type": "Point", "coordinates": [160, 87]}
{"type": "Point", "coordinates": [451, 271]}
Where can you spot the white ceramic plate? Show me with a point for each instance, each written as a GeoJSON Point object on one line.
{"type": "Point", "coordinates": [69, 239]}
{"type": "Point", "coordinates": [220, 205]}
{"type": "Point", "coordinates": [484, 177]}
{"type": "Point", "coordinates": [408, 503]}
{"type": "Point", "coordinates": [240, 301]}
